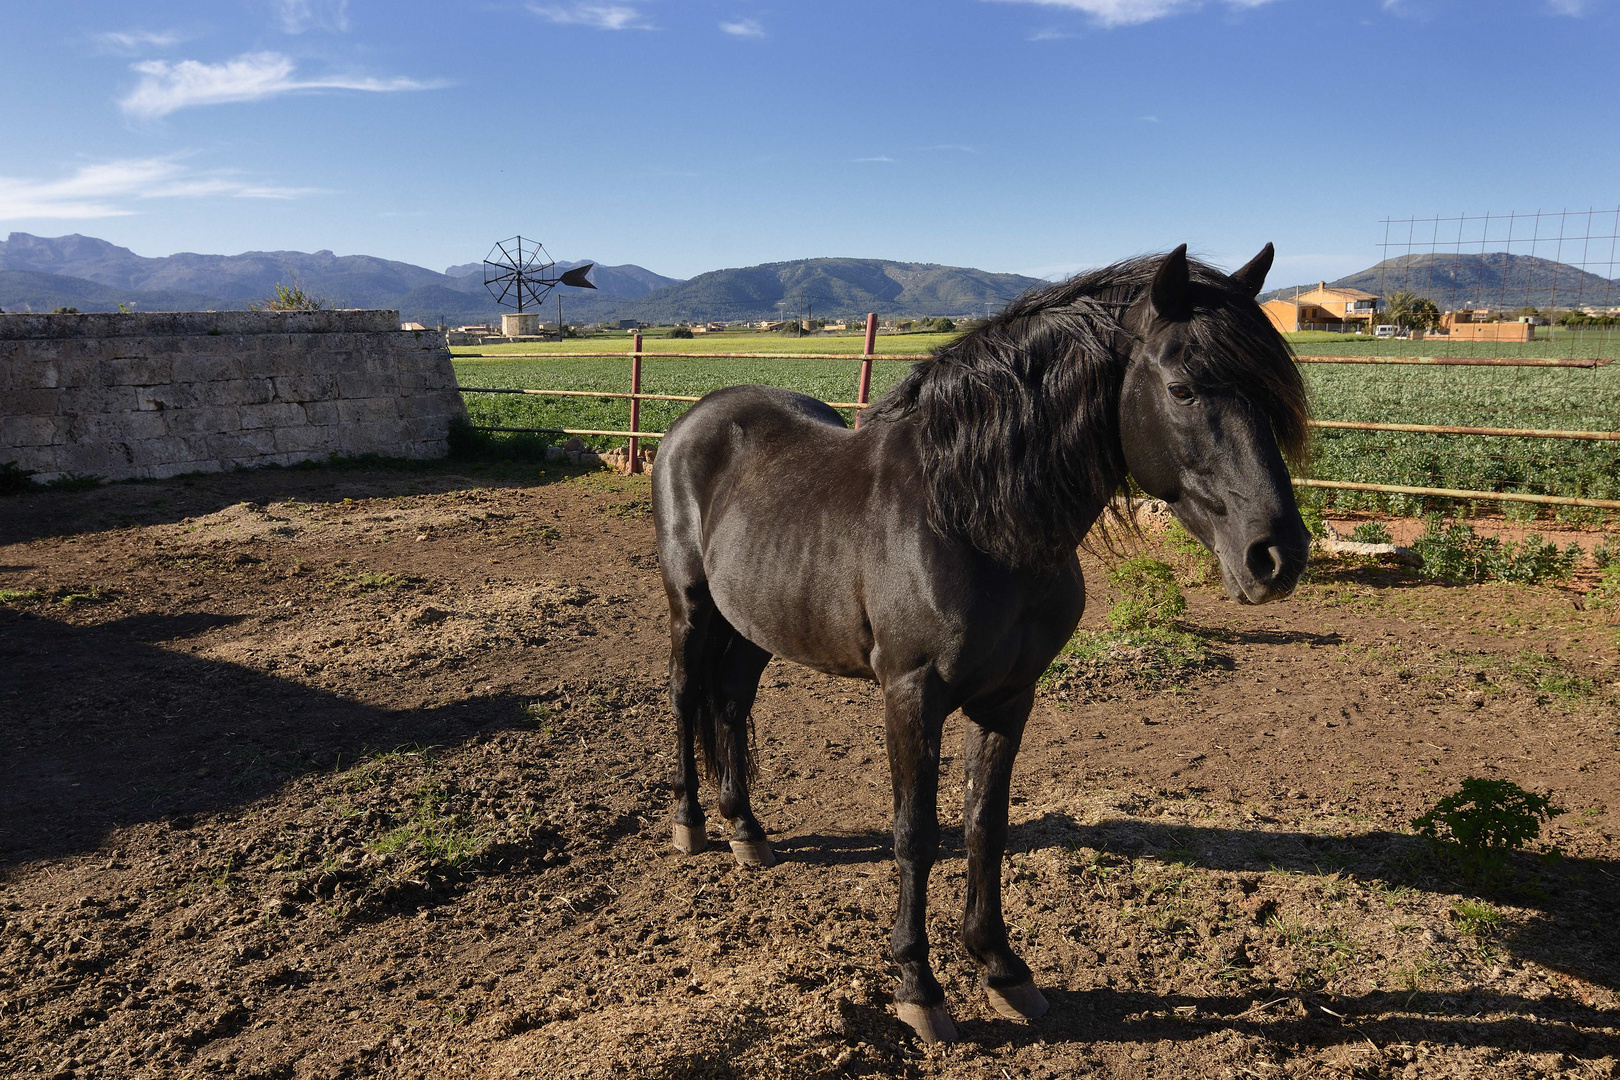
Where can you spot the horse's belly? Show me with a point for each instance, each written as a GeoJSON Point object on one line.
{"type": "Point", "coordinates": [794, 602]}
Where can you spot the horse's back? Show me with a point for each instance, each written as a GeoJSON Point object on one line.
{"type": "Point", "coordinates": [730, 433]}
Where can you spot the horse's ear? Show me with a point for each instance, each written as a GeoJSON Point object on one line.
{"type": "Point", "coordinates": [1251, 278]}
{"type": "Point", "coordinates": [1171, 293]}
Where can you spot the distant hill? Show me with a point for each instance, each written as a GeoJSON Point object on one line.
{"type": "Point", "coordinates": [1494, 279]}
{"type": "Point", "coordinates": [95, 275]}
{"type": "Point", "coordinates": [27, 290]}
{"type": "Point", "coordinates": [41, 273]}
{"type": "Point", "coordinates": [830, 287]}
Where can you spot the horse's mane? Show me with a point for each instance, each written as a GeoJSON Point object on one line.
{"type": "Point", "coordinates": [1020, 417]}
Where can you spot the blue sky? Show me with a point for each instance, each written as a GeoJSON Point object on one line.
{"type": "Point", "coordinates": [1036, 136]}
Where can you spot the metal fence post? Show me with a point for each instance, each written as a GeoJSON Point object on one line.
{"type": "Point", "coordinates": [865, 391]}
{"type": "Point", "coordinates": [635, 406]}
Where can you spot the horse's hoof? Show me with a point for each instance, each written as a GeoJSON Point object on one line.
{"type": "Point", "coordinates": [690, 839]}
{"type": "Point", "coordinates": [1021, 1002]}
{"type": "Point", "coordinates": [753, 853]}
{"type": "Point", "coordinates": [932, 1023]}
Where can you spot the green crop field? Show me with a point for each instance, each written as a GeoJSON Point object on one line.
{"type": "Point", "coordinates": [1560, 398]}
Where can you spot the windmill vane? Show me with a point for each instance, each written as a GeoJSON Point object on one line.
{"type": "Point", "coordinates": [520, 272]}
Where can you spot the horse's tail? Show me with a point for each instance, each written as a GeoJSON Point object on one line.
{"type": "Point", "coordinates": [732, 753]}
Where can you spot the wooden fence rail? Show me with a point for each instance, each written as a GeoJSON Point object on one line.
{"type": "Point", "coordinates": [863, 395]}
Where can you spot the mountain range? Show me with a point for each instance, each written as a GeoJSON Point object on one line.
{"type": "Point", "coordinates": [44, 273]}
{"type": "Point", "coordinates": [1493, 279]}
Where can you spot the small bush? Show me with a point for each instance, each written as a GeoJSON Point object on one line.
{"type": "Point", "coordinates": [1152, 599]}
{"type": "Point", "coordinates": [682, 332]}
{"type": "Point", "coordinates": [1606, 553]}
{"type": "Point", "coordinates": [1312, 517]}
{"type": "Point", "coordinates": [1455, 552]}
{"type": "Point", "coordinates": [1484, 822]}
{"type": "Point", "coordinates": [1372, 532]}
{"type": "Point", "coordinates": [292, 297]}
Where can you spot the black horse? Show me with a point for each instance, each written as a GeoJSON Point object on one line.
{"type": "Point", "coordinates": [933, 548]}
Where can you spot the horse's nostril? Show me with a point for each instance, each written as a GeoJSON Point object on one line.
{"type": "Point", "coordinates": [1264, 560]}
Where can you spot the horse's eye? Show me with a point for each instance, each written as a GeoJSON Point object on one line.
{"type": "Point", "coordinates": [1181, 392]}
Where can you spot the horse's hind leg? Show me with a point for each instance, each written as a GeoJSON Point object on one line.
{"type": "Point", "coordinates": [690, 615]}
{"type": "Point", "coordinates": [990, 741]}
{"type": "Point", "coordinates": [739, 664]}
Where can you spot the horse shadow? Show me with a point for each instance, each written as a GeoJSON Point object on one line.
{"type": "Point", "coordinates": [145, 503]}
{"type": "Point", "coordinates": [101, 728]}
{"type": "Point", "coordinates": [1376, 1020]}
{"type": "Point", "coordinates": [1573, 896]}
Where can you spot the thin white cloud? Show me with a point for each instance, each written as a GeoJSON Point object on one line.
{"type": "Point", "coordinates": [596, 16]}
{"type": "Point", "coordinates": [744, 28]}
{"type": "Point", "coordinates": [1050, 35]}
{"type": "Point", "coordinates": [109, 189]}
{"type": "Point", "coordinates": [961, 148]}
{"type": "Point", "coordinates": [1573, 8]}
{"type": "Point", "coordinates": [1151, 119]}
{"type": "Point", "coordinates": [164, 87]}
{"type": "Point", "coordinates": [1112, 13]}
{"type": "Point", "coordinates": [297, 16]}
{"type": "Point", "coordinates": [130, 42]}
{"type": "Point", "coordinates": [879, 157]}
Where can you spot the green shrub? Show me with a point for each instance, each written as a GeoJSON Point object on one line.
{"type": "Point", "coordinates": [1312, 517]}
{"type": "Point", "coordinates": [1606, 553]}
{"type": "Point", "coordinates": [682, 332]}
{"type": "Point", "coordinates": [1152, 600]}
{"type": "Point", "coordinates": [1372, 532]}
{"type": "Point", "coordinates": [1484, 822]}
{"type": "Point", "coordinates": [1455, 552]}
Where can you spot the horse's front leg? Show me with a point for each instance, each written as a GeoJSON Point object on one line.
{"type": "Point", "coordinates": [991, 742]}
{"type": "Point", "coordinates": [913, 718]}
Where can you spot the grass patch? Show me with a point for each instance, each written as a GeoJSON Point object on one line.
{"type": "Point", "coordinates": [12, 596]}
{"type": "Point", "coordinates": [1145, 645]}
{"type": "Point", "coordinates": [1475, 917]}
{"type": "Point", "coordinates": [356, 584]}
{"type": "Point", "coordinates": [431, 831]}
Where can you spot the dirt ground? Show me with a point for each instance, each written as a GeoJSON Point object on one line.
{"type": "Point", "coordinates": [363, 772]}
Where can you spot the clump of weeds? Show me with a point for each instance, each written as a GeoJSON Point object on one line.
{"type": "Point", "coordinates": [1145, 644]}
{"type": "Point", "coordinates": [1454, 551]}
{"type": "Point", "coordinates": [1483, 823]}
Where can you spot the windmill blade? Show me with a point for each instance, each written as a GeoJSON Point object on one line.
{"type": "Point", "coordinates": [576, 277]}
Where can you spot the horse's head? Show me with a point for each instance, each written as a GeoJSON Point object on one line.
{"type": "Point", "coordinates": [1210, 401]}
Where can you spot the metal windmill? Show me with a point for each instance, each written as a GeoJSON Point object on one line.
{"type": "Point", "coordinates": [520, 272]}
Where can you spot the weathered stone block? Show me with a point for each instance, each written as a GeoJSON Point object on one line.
{"type": "Point", "coordinates": [210, 366]}
{"type": "Point", "coordinates": [241, 392]}
{"type": "Point", "coordinates": [32, 402]}
{"type": "Point", "coordinates": [366, 410]}
{"type": "Point", "coordinates": [173, 396]}
{"type": "Point", "coordinates": [203, 420]}
{"type": "Point", "coordinates": [309, 440]}
{"type": "Point", "coordinates": [19, 431]}
{"type": "Point", "coordinates": [139, 371]}
{"type": "Point", "coordinates": [321, 413]}
{"type": "Point", "coordinates": [303, 388]}
{"type": "Point", "coordinates": [277, 414]}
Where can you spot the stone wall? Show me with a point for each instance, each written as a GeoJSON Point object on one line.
{"type": "Point", "coordinates": [154, 395]}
